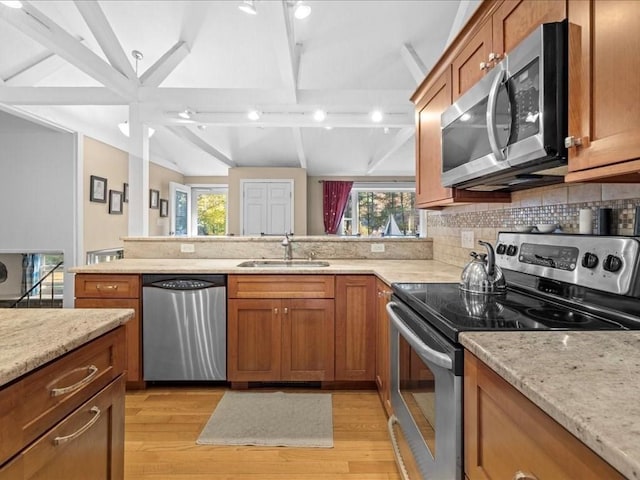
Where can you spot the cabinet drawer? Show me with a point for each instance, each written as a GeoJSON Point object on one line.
{"type": "Point", "coordinates": [35, 402]}
{"type": "Point", "coordinates": [86, 444]}
{"type": "Point", "coordinates": [107, 286]}
{"type": "Point", "coordinates": [281, 286]}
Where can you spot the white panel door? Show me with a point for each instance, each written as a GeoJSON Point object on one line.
{"type": "Point", "coordinates": [279, 205]}
{"type": "Point", "coordinates": [255, 208]}
{"type": "Point", "coordinates": [267, 207]}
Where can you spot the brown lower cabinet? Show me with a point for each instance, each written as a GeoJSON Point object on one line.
{"type": "Point", "coordinates": [507, 436]}
{"type": "Point", "coordinates": [383, 359]}
{"type": "Point", "coordinates": [64, 423]}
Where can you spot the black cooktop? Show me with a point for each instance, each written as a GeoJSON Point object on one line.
{"type": "Point", "coordinates": [452, 310]}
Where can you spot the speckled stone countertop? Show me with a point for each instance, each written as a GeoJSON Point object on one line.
{"type": "Point", "coordinates": [30, 338]}
{"type": "Point", "coordinates": [389, 271]}
{"type": "Point", "coordinates": [589, 382]}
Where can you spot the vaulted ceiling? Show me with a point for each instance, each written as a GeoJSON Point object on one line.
{"type": "Point", "coordinates": [71, 63]}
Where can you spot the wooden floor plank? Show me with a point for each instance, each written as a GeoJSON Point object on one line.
{"type": "Point", "coordinates": [162, 425]}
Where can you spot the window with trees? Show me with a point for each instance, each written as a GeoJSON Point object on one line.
{"type": "Point", "coordinates": [209, 210]}
{"type": "Point", "coordinates": [381, 210]}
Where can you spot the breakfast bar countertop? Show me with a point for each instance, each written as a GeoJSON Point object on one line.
{"type": "Point", "coordinates": [586, 381]}
{"type": "Point", "coordinates": [389, 271]}
{"type": "Point", "coordinates": [29, 338]}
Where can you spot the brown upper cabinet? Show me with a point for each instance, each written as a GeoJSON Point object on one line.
{"type": "Point", "coordinates": [604, 76]}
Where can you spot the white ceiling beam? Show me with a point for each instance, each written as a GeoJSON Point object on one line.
{"type": "Point", "coordinates": [159, 71]}
{"type": "Point", "coordinates": [186, 134]}
{"type": "Point", "coordinates": [60, 96]}
{"type": "Point", "coordinates": [45, 31]}
{"type": "Point", "coordinates": [398, 141]}
{"type": "Point", "coordinates": [97, 22]}
{"type": "Point", "coordinates": [413, 62]}
{"type": "Point", "coordinates": [459, 19]}
{"type": "Point", "coordinates": [297, 139]}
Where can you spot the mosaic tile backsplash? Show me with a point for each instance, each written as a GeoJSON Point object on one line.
{"type": "Point", "coordinates": [558, 205]}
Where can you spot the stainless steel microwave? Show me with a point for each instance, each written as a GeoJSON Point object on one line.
{"type": "Point", "coordinates": [507, 132]}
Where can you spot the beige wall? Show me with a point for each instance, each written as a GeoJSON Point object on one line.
{"type": "Point", "coordinates": [315, 222]}
{"type": "Point", "coordinates": [102, 230]}
{"type": "Point", "coordinates": [159, 178]}
{"type": "Point", "coordinates": [299, 177]}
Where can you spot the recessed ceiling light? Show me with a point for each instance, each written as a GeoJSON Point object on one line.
{"type": "Point", "coordinates": [253, 115]}
{"type": "Point", "coordinates": [124, 128]}
{"type": "Point", "coordinates": [12, 3]}
{"type": "Point", "coordinates": [376, 116]}
{"type": "Point", "coordinates": [319, 115]}
{"type": "Point", "coordinates": [247, 6]}
{"type": "Point", "coordinates": [186, 114]}
{"type": "Point", "coordinates": [301, 10]}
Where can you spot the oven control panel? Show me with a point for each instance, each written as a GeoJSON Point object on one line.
{"type": "Point", "coordinates": [606, 263]}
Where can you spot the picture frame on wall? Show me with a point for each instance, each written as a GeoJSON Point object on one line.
{"type": "Point", "coordinates": [115, 202]}
{"type": "Point", "coordinates": [154, 199]}
{"type": "Point", "coordinates": [97, 189]}
{"type": "Point", "coordinates": [125, 193]}
{"type": "Point", "coordinates": [164, 207]}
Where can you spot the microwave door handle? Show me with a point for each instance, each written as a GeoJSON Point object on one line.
{"type": "Point", "coordinates": [492, 128]}
{"type": "Point", "coordinates": [437, 358]}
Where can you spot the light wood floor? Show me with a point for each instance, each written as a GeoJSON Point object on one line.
{"type": "Point", "coordinates": [162, 425]}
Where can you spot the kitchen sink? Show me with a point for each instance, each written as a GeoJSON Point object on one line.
{"type": "Point", "coordinates": [283, 263]}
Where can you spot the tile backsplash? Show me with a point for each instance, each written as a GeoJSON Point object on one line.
{"type": "Point", "coordinates": [554, 205]}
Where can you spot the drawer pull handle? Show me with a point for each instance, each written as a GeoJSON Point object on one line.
{"type": "Point", "coordinates": [67, 438]}
{"type": "Point", "coordinates": [106, 287]}
{"type": "Point", "coordinates": [520, 475]}
{"type": "Point", "coordinates": [93, 371]}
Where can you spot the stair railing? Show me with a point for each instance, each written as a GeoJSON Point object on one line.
{"type": "Point", "coordinates": [27, 294]}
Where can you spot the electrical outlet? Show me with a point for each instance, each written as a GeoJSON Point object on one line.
{"type": "Point", "coordinates": [187, 248]}
{"type": "Point", "coordinates": [466, 237]}
{"type": "Point", "coordinates": [377, 247]}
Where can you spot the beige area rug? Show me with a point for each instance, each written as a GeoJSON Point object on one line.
{"type": "Point", "coordinates": [273, 419]}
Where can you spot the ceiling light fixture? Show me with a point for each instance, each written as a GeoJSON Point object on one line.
{"type": "Point", "coordinates": [253, 115]}
{"type": "Point", "coordinates": [12, 3]}
{"type": "Point", "coordinates": [301, 10]}
{"type": "Point", "coordinates": [376, 116]}
{"type": "Point", "coordinates": [124, 128]}
{"type": "Point", "coordinates": [319, 115]}
{"type": "Point", "coordinates": [247, 6]}
{"type": "Point", "coordinates": [186, 114]}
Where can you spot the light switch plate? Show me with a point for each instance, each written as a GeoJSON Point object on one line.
{"type": "Point", "coordinates": [466, 237]}
{"type": "Point", "coordinates": [377, 247]}
{"type": "Point", "coordinates": [187, 248]}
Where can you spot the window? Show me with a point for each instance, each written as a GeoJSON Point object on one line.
{"type": "Point", "coordinates": [209, 210]}
{"type": "Point", "coordinates": [381, 209]}
{"type": "Point", "coordinates": [45, 272]}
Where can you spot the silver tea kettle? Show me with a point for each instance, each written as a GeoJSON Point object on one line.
{"type": "Point", "coordinates": [482, 275]}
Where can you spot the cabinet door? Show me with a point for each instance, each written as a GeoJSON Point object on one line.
{"type": "Point", "coordinates": [515, 19]}
{"type": "Point", "coordinates": [429, 143]}
{"type": "Point", "coordinates": [132, 329]}
{"type": "Point", "coordinates": [505, 433]}
{"type": "Point", "coordinates": [89, 443]}
{"type": "Point", "coordinates": [307, 339]}
{"type": "Point", "coordinates": [355, 327]}
{"type": "Point", "coordinates": [603, 90]}
{"type": "Point", "coordinates": [383, 358]}
{"type": "Point", "coordinates": [466, 66]}
{"type": "Point", "coordinates": [253, 340]}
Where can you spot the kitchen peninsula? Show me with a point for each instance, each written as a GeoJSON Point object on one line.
{"type": "Point", "coordinates": [62, 389]}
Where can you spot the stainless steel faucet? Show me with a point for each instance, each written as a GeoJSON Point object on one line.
{"type": "Point", "coordinates": [286, 243]}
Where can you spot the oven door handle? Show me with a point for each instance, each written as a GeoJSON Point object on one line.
{"type": "Point", "coordinates": [438, 358]}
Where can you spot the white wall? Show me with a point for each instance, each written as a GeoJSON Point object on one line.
{"type": "Point", "coordinates": [38, 188]}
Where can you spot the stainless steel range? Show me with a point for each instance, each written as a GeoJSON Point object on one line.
{"type": "Point", "coordinates": [553, 282]}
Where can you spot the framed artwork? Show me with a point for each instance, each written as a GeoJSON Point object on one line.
{"type": "Point", "coordinates": [154, 198]}
{"type": "Point", "coordinates": [115, 202]}
{"type": "Point", "coordinates": [164, 207]}
{"type": "Point", "coordinates": [98, 189]}
{"type": "Point", "coordinates": [125, 193]}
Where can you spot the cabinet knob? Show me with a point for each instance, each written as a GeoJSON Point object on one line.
{"type": "Point", "coordinates": [485, 65]}
{"type": "Point", "coordinates": [275, 310]}
{"type": "Point", "coordinates": [286, 310]}
{"type": "Point", "coordinates": [520, 475]}
{"type": "Point", "coordinates": [494, 57]}
{"type": "Point", "coordinates": [570, 142]}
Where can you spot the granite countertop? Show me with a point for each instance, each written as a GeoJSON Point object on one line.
{"type": "Point", "coordinates": [586, 381]}
{"type": "Point", "coordinates": [389, 271]}
{"type": "Point", "coordinates": [30, 338]}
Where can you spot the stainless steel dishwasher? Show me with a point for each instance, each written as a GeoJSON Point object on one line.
{"type": "Point", "coordinates": [184, 321]}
